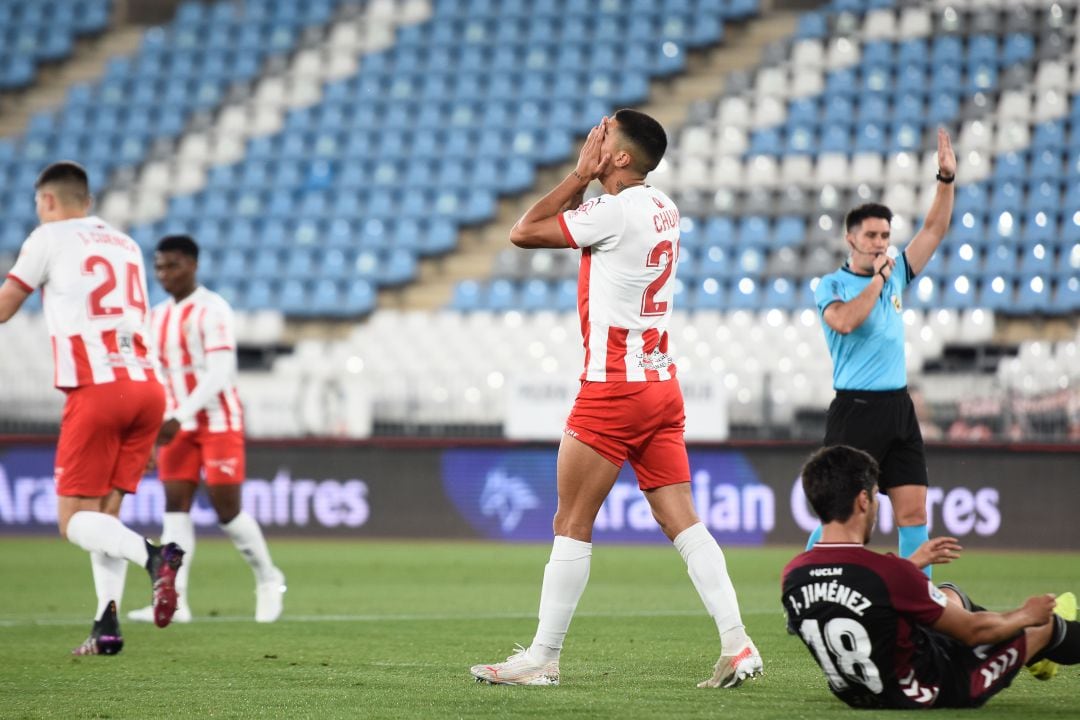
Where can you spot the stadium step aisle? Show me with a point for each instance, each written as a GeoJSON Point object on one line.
{"type": "Point", "coordinates": [34, 33]}
{"type": "Point", "coordinates": [845, 111]}
{"type": "Point", "coordinates": [384, 165]}
{"type": "Point", "coordinates": [144, 102]}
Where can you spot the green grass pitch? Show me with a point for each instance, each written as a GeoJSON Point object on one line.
{"type": "Point", "coordinates": [389, 630]}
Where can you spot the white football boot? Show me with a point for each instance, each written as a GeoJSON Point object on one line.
{"type": "Point", "coordinates": [519, 669]}
{"type": "Point", "coordinates": [270, 598]}
{"type": "Point", "coordinates": [731, 670]}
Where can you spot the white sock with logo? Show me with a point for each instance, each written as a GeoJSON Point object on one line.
{"type": "Point", "coordinates": [708, 570]}
{"type": "Point", "coordinates": [565, 577]}
{"type": "Point", "coordinates": [246, 535]}
{"type": "Point", "coordinates": [109, 575]}
{"type": "Point", "coordinates": [178, 527]}
{"type": "Point", "coordinates": [99, 532]}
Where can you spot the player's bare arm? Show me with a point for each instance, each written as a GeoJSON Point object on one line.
{"type": "Point", "coordinates": [12, 296]}
{"type": "Point", "coordinates": [845, 317]}
{"type": "Point", "coordinates": [987, 628]}
{"type": "Point", "coordinates": [936, 551]}
{"type": "Point", "coordinates": [539, 226]}
{"type": "Point", "coordinates": [926, 241]}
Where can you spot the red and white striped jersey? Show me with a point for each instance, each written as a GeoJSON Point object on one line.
{"type": "Point", "coordinates": [93, 285]}
{"type": "Point", "coordinates": [185, 333]}
{"type": "Point", "coordinates": [629, 249]}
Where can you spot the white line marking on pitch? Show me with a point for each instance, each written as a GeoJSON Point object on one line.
{"type": "Point", "coordinates": [392, 617]}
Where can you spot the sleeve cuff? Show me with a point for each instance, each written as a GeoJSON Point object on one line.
{"type": "Point", "coordinates": [907, 269]}
{"type": "Point", "coordinates": [219, 348]}
{"type": "Point", "coordinates": [566, 232]}
{"type": "Point", "coordinates": [21, 283]}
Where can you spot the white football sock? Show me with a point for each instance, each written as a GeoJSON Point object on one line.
{"type": "Point", "coordinates": [246, 535]}
{"type": "Point", "coordinates": [177, 527]}
{"type": "Point", "coordinates": [98, 532]}
{"type": "Point", "coordinates": [565, 577]}
{"type": "Point", "coordinates": [109, 576]}
{"type": "Point", "coordinates": [708, 570]}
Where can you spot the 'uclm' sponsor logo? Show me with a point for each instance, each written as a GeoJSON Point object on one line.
{"type": "Point", "coordinates": [28, 501]}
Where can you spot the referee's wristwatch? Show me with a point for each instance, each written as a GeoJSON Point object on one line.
{"type": "Point", "coordinates": [947, 179]}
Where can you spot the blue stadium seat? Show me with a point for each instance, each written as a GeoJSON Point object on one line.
{"type": "Point", "coordinates": [502, 295]}
{"type": "Point", "coordinates": [536, 294]}
{"type": "Point", "coordinates": [1036, 259]}
{"type": "Point", "coordinates": [780, 293]}
{"type": "Point", "coordinates": [745, 294]}
{"type": "Point", "coordinates": [325, 298]}
{"type": "Point", "coordinates": [1039, 227]}
{"type": "Point", "coordinates": [963, 259]}
{"type": "Point", "coordinates": [359, 298]}
{"type": "Point", "coordinates": [1066, 298]}
{"type": "Point", "coordinates": [753, 231]}
{"type": "Point", "coordinates": [467, 296]}
{"type": "Point", "coordinates": [1046, 165]}
{"type": "Point", "coordinates": [708, 294]}
{"type": "Point", "coordinates": [1032, 296]}
{"type": "Point", "coordinates": [959, 293]}
{"type": "Point", "coordinates": [790, 232]}
{"type": "Point", "coordinates": [565, 295]}
{"type": "Point", "coordinates": [1001, 259]}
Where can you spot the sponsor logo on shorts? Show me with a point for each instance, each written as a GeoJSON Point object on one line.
{"type": "Point", "coordinates": [226, 466]}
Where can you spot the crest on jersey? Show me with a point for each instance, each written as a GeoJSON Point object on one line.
{"type": "Point", "coordinates": [585, 207]}
{"type": "Point", "coordinates": [936, 595]}
{"type": "Point", "coordinates": [897, 305]}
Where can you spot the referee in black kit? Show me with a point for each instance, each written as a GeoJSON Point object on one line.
{"type": "Point", "coordinates": [862, 315]}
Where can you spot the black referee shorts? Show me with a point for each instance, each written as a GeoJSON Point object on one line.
{"type": "Point", "coordinates": [881, 423]}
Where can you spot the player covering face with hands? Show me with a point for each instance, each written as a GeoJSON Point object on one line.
{"type": "Point", "coordinates": [630, 407]}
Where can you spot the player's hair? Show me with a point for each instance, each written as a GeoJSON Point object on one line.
{"type": "Point", "coordinates": [856, 215]}
{"type": "Point", "coordinates": [647, 137]}
{"type": "Point", "coordinates": [183, 244]}
{"type": "Point", "coordinates": [834, 476]}
{"type": "Point", "coordinates": [67, 180]}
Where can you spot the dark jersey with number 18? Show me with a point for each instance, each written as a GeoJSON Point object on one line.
{"type": "Point", "coordinates": [865, 618]}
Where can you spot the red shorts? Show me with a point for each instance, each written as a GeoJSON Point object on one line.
{"type": "Point", "coordinates": [642, 422]}
{"type": "Point", "coordinates": [219, 456]}
{"type": "Point", "coordinates": [106, 435]}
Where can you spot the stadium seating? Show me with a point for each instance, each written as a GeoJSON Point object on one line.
{"type": "Point", "coordinates": [320, 151]}
{"type": "Point", "coordinates": [34, 32]}
{"type": "Point", "coordinates": [424, 137]}
{"type": "Point", "coordinates": [143, 103]}
{"type": "Point", "coordinates": [847, 109]}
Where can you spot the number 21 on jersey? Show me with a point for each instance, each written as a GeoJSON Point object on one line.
{"type": "Point", "coordinates": [663, 249]}
{"type": "Point", "coordinates": [99, 304]}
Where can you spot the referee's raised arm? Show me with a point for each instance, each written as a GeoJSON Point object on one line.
{"type": "Point", "coordinates": [926, 241]}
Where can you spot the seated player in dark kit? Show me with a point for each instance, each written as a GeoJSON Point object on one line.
{"type": "Point", "coordinates": [885, 636]}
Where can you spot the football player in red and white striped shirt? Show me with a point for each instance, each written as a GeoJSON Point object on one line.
{"type": "Point", "coordinates": [630, 407]}
{"type": "Point", "coordinates": [93, 286]}
{"type": "Point", "coordinates": [203, 432]}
